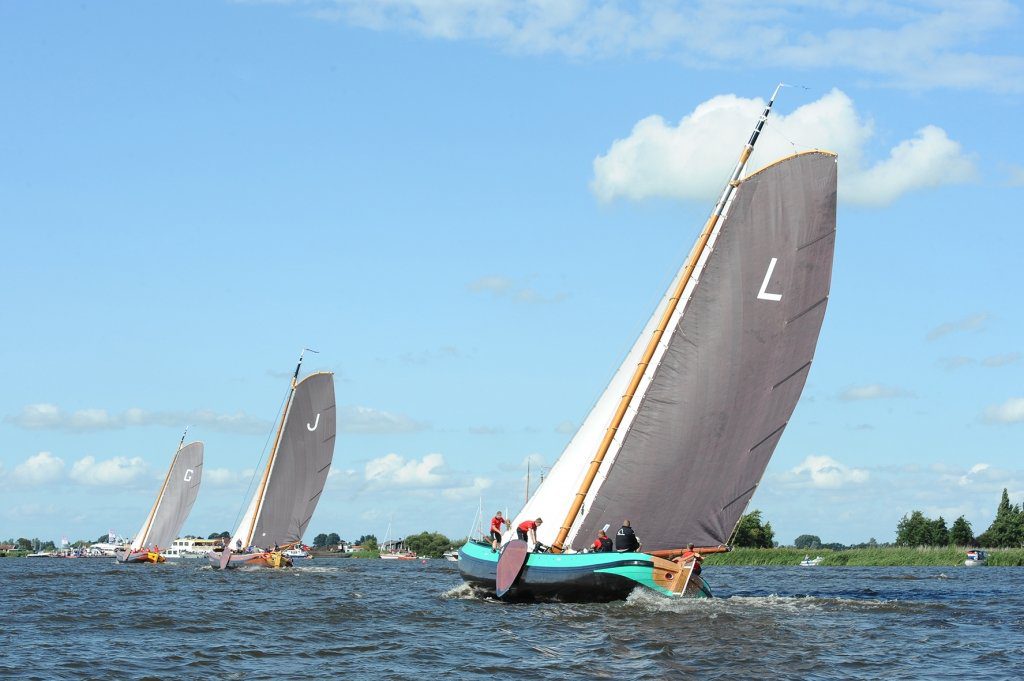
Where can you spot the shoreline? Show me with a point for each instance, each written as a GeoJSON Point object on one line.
{"type": "Point", "coordinates": [882, 556]}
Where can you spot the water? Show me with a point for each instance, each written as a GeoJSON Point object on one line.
{"type": "Point", "coordinates": [350, 618]}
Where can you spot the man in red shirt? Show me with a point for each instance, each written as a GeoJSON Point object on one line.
{"type": "Point", "coordinates": [602, 544]}
{"type": "Point", "coordinates": [527, 530]}
{"type": "Point", "coordinates": [496, 522]}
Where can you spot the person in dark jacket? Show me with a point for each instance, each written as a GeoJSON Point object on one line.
{"type": "Point", "coordinates": [626, 539]}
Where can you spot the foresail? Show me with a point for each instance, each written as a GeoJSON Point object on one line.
{"type": "Point", "coordinates": [725, 383]}
{"type": "Point", "coordinates": [300, 467]}
{"type": "Point", "coordinates": [176, 499]}
{"type": "Point", "coordinates": [553, 497]}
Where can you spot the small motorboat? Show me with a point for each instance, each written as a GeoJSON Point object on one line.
{"type": "Point", "coordinates": [810, 562]}
{"type": "Point", "coordinates": [975, 557]}
{"type": "Point", "coordinates": [451, 555]}
{"type": "Point", "coordinates": [298, 552]}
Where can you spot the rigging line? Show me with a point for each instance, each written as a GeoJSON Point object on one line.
{"type": "Point", "coordinates": [256, 470]}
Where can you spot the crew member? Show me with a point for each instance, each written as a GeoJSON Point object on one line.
{"type": "Point", "coordinates": [602, 544]}
{"type": "Point", "coordinates": [626, 539]}
{"type": "Point", "coordinates": [496, 522]}
{"type": "Point", "coordinates": [690, 555]}
{"type": "Point", "coordinates": [527, 530]}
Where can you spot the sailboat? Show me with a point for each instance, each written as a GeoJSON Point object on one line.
{"type": "Point", "coordinates": [171, 508]}
{"type": "Point", "coordinates": [292, 481]}
{"type": "Point", "coordinates": [394, 549]}
{"type": "Point", "coordinates": [681, 436]}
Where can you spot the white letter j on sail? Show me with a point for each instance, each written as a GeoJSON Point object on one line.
{"type": "Point", "coordinates": [763, 294]}
{"type": "Point", "coordinates": [315, 423]}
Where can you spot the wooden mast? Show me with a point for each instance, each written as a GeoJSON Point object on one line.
{"type": "Point", "coordinates": [163, 487]}
{"type": "Point", "coordinates": [652, 345]}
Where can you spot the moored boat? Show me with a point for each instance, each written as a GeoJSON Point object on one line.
{"type": "Point", "coordinates": [173, 503]}
{"type": "Point", "coordinates": [810, 562]}
{"type": "Point", "coordinates": [680, 438]}
{"type": "Point", "coordinates": [975, 557]}
{"type": "Point", "coordinates": [292, 481]}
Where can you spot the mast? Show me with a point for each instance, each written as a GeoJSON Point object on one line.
{"type": "Point", "coordinates": [163, 488]}
{"type": "Point", "coordinates": [273, 452]}
{"type": "Point", "coordinates": [677, 294]}
{"type": "Point", "coordinates": [526, 500]}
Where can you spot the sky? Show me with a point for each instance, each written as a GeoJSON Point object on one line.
{"type": "Point", "coordinates": [470, 209]}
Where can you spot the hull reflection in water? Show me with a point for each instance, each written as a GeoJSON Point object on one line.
{"type": "Point", "coordinates": [584, 577]}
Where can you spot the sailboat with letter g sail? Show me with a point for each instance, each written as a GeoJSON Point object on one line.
{"type": "Point", "coordinates": [681, 436]}
{"type": "Point", "coordinates": [171, 508]}
{"type": "Point", "coordinates": [292, 481]}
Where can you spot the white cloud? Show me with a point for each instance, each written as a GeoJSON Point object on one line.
{"type": "Point", "coordinates": [566, 427]}
{"type": "Point", "coordinates": [917, 46]}
{"type": "Point", "coordinates": [42, 468]}
{"type": "Point", "coordinates": [1010, 411]}
{"type": "Point", "coordinates": [220, 477]}
{"type": "Point", "coordinates": [118, 470]}
{"type": "Point", "coordinates": [692, 160]}
{"type": "Point", "coordinates": [357, 419]}
{"type": "Point", "coordinates": [503, 287]}
{"type": "Point", "coordinates": [470, 491]}
{"type": "Point", "coordinates": [974, 322]}
{"type": "Point", "coordinates": [395, 470]}
{"type": "Point", "coordinates": [872, 391]}
{"type": "Point", "coordinates": [827, 473]}
{"type": "Point", "coordinates": [1016, 177]}
{"type": "Point", "coordinates": [996, 361]}
{"type": "Point", "coordinates": [51, 417]}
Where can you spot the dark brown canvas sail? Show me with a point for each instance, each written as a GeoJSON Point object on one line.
{"type": "Point", "coordinates": [734, 366]}
{"type": "Point", "coordinates": [300, 467]}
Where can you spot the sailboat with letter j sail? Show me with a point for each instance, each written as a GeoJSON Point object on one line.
{"type": "Point", "coordinates": [680, 438]}
{"type": "Point", "coordinates": [292, 481]}
{"type": "Point", "coordinates": [171, 508]}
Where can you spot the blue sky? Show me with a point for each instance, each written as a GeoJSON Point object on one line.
{"type": "Point", "coordinates": [471, 209]}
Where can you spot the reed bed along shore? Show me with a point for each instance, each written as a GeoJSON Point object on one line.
{"type": "Point", "coordinates": [880, 556]}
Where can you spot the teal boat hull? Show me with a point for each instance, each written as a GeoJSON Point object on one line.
{"type": "Point", "coordinates": [577, 577]}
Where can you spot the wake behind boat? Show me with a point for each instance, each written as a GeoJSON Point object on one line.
{"type": "Point", "coordinates": [294, 478]}
{"type": "Point", "coordinates": [173, 504]}
{"type": "Point", "coordinates": [680, 438]}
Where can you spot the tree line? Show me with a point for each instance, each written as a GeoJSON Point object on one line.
{"type": "Point", "coordinates": [1006, 530]}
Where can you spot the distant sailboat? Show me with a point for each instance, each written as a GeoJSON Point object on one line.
{"type": "Point", "coordinates": [294, 478]}
{"type": "Point", "coordinates": [679, 440]}
{"type": "Point", "coordinates": [172, 506]}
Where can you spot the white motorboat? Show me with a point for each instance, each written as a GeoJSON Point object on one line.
{"type": "Point", "coordinates": [810, 562]}
{"type": "Point", "coordinates": [975, 557]}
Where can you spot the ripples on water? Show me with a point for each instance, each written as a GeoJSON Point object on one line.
{"type": "Point", "coordinates": [350, 618]}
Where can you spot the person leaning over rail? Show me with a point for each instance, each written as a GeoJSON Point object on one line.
{"type": "Point", "coordinates": [527, 530]}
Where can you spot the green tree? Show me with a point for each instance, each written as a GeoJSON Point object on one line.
{"type": "Point", "coordinates": [333, 539]}
{"type": "Point", "coordinates": [430, 544]}
{"type": "Point", "coordinates": [24, 544]}
{"type": "Point", "coordinates": [913, 530]}
{"type": "Point", "coordinates": [919, 530]}
{"type": "Point", "coordinates": [807, 541]}
{"type": "Point", "coordinates": [368, 542]}
{"type": "Point", "coordinates": [320, 540]}
{"type": "Point", "coordinates": [103, 537]}
{"type": "Point", "coordinates": [961, 534]}
{"type": "Point", "coordinates": [752, 533]}
{"type": "Point", "coordinates": [220, 535]}
{"type": "Point", "coordinates": [1007, 529]}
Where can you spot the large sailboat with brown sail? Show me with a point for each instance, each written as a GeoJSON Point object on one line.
{"type": "Point", "coordinates": [680, 438]}
{"type": "Point", "coordinates": [293, 479]}
{"type": "Point", "coordinates": [171, 508]}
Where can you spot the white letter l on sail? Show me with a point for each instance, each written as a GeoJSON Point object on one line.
{"type": "Point", "coordinates": [762, 294]}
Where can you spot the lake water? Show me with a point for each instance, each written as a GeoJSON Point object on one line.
{"type": "Point", "coordinates": [348, 618]}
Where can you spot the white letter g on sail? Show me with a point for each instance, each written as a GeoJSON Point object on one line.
{"type": "Point", "coordinates": [188, 474]}
{"type": "Point", "coordinates": [763, 293]}
{"type": "Point", "coordinates": [315, 423]}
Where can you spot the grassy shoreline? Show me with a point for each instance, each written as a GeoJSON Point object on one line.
{"type": "Point", "coordinates": [882, 556]}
